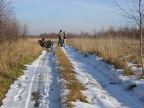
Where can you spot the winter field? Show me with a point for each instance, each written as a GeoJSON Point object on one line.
{"type": "Point", "coordinates": [42, 86]}
{"type": "Point", "coordinates": [95, 70]}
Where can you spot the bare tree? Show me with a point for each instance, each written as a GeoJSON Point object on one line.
{"type": "Point", "coordinates": [135, 13]}
{"type": "Point", "coordinates": [11, 29]}
{"type": "Point", "coordinates": [24, 30]}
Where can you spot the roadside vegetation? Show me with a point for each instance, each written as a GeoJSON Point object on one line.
{"type": "Point", "coordinates": [15, 49]}
{"type": "Point", "coordinates": [72, 84]}
{"type": "Point", "coordinates": [117, 47]}
{"type": "Point", "coordinates": [13, 57]}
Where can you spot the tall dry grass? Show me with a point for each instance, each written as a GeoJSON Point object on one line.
{"type": "Point", "coordinates": [12, 57]}
{"type": "Point", "coordinates": [68, 74]}
{"type": "Point", "coordinates": [114, 50]}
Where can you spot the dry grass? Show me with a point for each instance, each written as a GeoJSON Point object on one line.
{"type": "Point", "coordinates": [76, 95]}
{"type": "Point", "coordinates": [70, 105]}
{"type": "Point", "coordinates": [112, 49]}
{"type": "Point", "coordinates": [63, 60]}
{"type": "Point", "coordinates": [75, 88]}
{"type": "Point", "coordinates": [68, 74]}
{"type": "Point", "coordinates": [36, 97]}
{"type": "Point", "coordinates": [12, 57]}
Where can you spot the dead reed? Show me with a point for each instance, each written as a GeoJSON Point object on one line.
{"type": "Point", "coordinates": [115, 50]}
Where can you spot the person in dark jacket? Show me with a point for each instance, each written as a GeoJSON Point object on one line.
{"type": "Point", "coordinates": [64, 41]}
{"type": "Point", "coordinates": [42, 42]}
{"type": "Point", "coordinates": [49, 44]}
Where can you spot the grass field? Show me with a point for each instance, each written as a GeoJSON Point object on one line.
{"type": "Point", "coordinates": [115, 50]}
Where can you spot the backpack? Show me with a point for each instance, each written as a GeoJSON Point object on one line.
{"type": "Point", "coordinates": [64, 36]}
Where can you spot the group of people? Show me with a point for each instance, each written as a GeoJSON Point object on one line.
{"type": "Point", "coordinates": [48, 44]}
{"type": "Point", "coordinates": [62, 38]}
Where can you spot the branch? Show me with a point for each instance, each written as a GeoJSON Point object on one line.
{"type": "Point", "coordinates": [130, 15]}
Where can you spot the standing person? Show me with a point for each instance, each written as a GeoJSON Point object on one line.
{"type": "Point", "coordinates": [61, 38]}
{"type": "Point", "coordinates": [64, 38]}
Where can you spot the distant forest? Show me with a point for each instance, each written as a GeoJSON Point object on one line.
{"type": "Point", "coordinates": [130, 32]}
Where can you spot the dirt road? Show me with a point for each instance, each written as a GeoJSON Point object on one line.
{"type": "Point", "coordinates": [39, 86]}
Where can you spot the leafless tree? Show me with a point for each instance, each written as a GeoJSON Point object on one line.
{"type": "Point", "coordinates": [24, 30]}
{"type": "Point", "coordinates": [134, 11]}
{"type": "Point", "coordinates": [11, 29]}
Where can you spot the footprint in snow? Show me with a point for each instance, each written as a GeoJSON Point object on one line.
{"type": "Point", "coordinates": [17, 98]}
{"type": "Point", "coordinates": [17, 85]}
{"type": "Point", "coordinates": [24, 77]}
{"type": "Point", "coordinates": [21, 91]}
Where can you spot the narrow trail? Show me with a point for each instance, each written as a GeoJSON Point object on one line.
{"type": "Point", "coordinates": [37, 88]}
{"type": "Point", "coordinates": [101, 94]}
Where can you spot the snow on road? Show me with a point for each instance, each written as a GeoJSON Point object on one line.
{"type": "Point", "coordinates": [39, 87]}
{"type": "Point", "coordinates": [103, 90]}
{"type": "Point", "coordinates": [39, 79]}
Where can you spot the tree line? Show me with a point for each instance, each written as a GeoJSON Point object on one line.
{"type": "Point", "coordinates": [129, 32]}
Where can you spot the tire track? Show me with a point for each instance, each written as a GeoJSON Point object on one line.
{"type": "Point", "coordinates": [37, 88]}
{"type": "Point", "coordinates": [106, 94]}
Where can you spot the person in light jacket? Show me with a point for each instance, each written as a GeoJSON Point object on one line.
{"type": "Point", "coordinates": [61, 38]}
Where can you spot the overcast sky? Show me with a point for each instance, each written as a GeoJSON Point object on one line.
{"type": "Point", "coordinates": [46, 16]}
